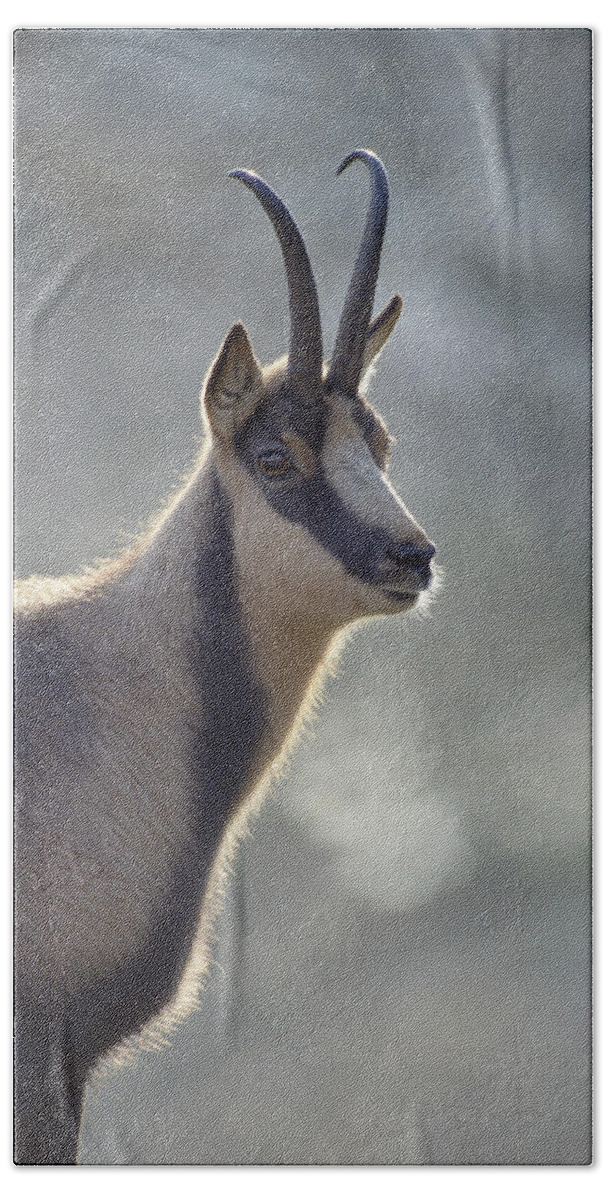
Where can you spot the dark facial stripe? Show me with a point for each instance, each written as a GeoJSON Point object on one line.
{"type": "Point", "coordinates": [315, 504]}
{"type": "Point", "coordinates": [359, 547]}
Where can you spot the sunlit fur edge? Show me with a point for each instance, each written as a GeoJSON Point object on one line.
{"type": "Point", "coordinates": [156, 1034]}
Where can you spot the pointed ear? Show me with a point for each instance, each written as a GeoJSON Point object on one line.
{"type": "Point", "coordinates": [233, 386]}
{"type": "Point", "coordinates": [379, 332]}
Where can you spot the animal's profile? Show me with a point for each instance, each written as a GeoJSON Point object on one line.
{"type": "Point", "coordinates": [155, 693]}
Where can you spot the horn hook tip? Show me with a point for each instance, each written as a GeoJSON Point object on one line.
{"type": "Point", "coordinates": [367, 156]}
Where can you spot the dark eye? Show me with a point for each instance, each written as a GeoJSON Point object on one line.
{"type": "Point", "coordinates": [275, 463]}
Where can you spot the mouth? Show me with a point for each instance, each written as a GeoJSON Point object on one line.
{"type": "Point", "coordinates": [402, 597]}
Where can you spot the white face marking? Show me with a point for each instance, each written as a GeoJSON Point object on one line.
{"type": "Point", "coordinates": [350, 468]}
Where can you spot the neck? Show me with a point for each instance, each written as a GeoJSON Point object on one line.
{"type": "Point", "coordinates": [292, 653]}
{"type": "Point", "coordinates": [193, 733]}
{"type": "Point", "coordinates": [242, 662]}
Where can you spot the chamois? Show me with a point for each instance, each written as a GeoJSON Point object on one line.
{"type": "Point", "coordinates": [156, 692]}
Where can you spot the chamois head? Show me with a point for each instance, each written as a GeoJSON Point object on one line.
{"type": "Point", "coordinates": [302, 454]}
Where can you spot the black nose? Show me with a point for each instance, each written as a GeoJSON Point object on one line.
{"type": "Point", "coordinates": [408, 557]}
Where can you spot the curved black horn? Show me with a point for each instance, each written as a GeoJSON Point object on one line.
{"type": "Point", "coordinates": [305, 361]}
{"type": "Point", "coordinates": [347, 361]}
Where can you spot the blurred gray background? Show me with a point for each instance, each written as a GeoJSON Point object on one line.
{"type": "Point", "coordinates": [402, 968]}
